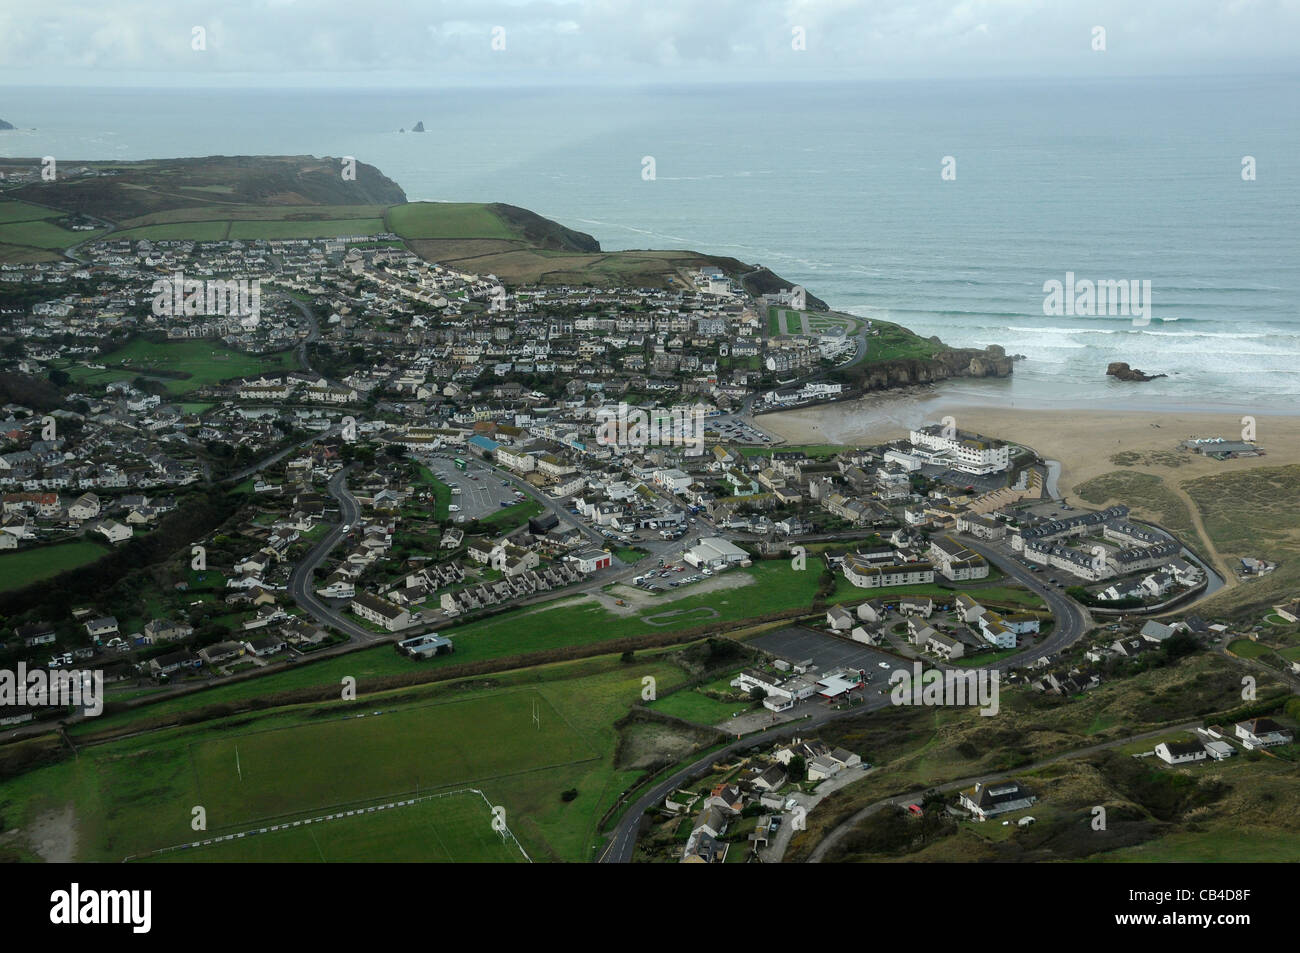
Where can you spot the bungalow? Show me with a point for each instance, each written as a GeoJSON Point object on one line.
{"type": "Point", "coordinates": [37, 633]}
{"type": "Point", "coordinates": [174, 661]}
{"type": "Point", "coordinates": [998, 797]}
{"type": "Point", "coordinates": [1262, 733]}
{"type": "Point", "coordinates": [1180, 752]}
{"type": "Point", "coordinates": [265, 645]}
{"type": "Point", "coordinates": [221, 652]}
{"type": "Point", "coordinates": [1156, 632]}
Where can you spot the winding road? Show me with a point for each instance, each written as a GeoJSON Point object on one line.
{"type": "Point", "coordinates": [1072, 622]}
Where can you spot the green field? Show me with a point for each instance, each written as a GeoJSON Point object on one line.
{"type": "Point", "coordinates": [243, 779]}
{"type": "Point", "coordinates": [27, 566]}
{"type": "Point", "coordinates": [445, 829]}
{"type": "Point", "coordinates": [895, 341]}
{"type": "Point", "coordinates": [11, 211]}
{"type": "Point", "coordinates": [136, 794]}
{"type": "Point", "coordinates": [42, 234]}
{"type": "Point", "coordinates": [328, 228]}
{"type": "Point", "coordinates": [426, 220]}
{"type": "Point", "coordinates": [512, 516]}
{"type": "Point", "coordinates": [697, 707]}
{"type": "Point", "coordinates": [205, 362]}
{"type": "Point", "coordinates": [1248, 649]}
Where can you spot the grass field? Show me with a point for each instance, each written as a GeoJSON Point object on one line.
{"type": "Point", "coordinates": [327, 228]}
{"type": "Point", "coordinates": [205, 362]}
{"type": "Point", "coordinates": [447, 829]}
{"type": "Point", "coordinates": [12, 211]}
{"type": "Point", "coordinates": [427, 220]}
{"type": "Point", "coordinates": [39, 233]}
{"type": "Point", "coordinates": [510, 517]}
{"type": "Point", "coordinates": [136, 794]}
{"type": "Point", "coordinates": [27, 566]}
{"type": "Point", "coordinates": [895, 341]}
{"type": "Point", "coordinates": [245, 778]}
{"type": "Point", "coordinates": [697, 707]}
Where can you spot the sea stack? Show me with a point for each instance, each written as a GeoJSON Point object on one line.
{"type": "Point", "coordinates": [1121, 371]}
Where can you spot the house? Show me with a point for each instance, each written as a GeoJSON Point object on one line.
{"type": "Point", "coordinates": [114, 532]}
{"type": "Point", "coordinates": [84, 507]}
{"type": "Point", "coordinates": [1180, 752]}
{"type": "Point", "coordinates": [381, 612]}
{"type": "Point", "coordinates": [173, 662]}
{"type": "Point", "coordinates": [165, 630]}
{"type": "Point", "coordinates": [265, 645]}
{"type": "Point", "coordinates": [1262, 733]}
{"type": "Point", "coordinates": [703, 846]}
{"type": "Point", "coordinates": [997, 797]}
{"type": "Point", "coordinates": [922, 607]}
{"type": "Point", "coordinates": [221, 652]}
{"type": "Point", "coordinates": [98, 628]}
{"type": "Point", "coordinates": [37, 633]}
{"type": "Point", "coordinates": [1156, 632]}
{"type": "Point", "coordinates": [839, 619]}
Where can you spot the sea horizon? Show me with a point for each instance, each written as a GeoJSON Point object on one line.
{"type": "Point", "coordinates": [839, 186]}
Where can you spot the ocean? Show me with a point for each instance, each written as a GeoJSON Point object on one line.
{"type": "Point", "coordinates": [841, 188]}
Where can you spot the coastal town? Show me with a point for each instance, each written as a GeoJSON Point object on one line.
{"type": "Point", "coordinates": [587, 436]}
{"type": "Point", "coordinates": [268, 457]}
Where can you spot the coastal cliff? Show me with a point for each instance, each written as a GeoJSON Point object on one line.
{"type": "Point", "coordinates": [946, 364]}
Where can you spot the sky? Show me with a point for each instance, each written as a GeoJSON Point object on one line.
{"type": "Point", "coordinates": [350, 43]}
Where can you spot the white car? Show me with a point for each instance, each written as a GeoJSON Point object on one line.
{"type": "Point", "coordinates": [882, 665]}
{"type": "Point", "coordinates": [453, 508]}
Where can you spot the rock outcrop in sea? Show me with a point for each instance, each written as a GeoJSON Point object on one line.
{"type": "Point", "coordinates": [1121, 371]}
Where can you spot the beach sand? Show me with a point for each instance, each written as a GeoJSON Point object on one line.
{"type": "Point", "coordinates": [1082, 440]}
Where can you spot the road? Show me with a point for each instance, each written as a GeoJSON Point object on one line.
{"type": "Point", "coordinates": [1071, 622]}
{"type": "Point", "coordinates": [837, 833]}
{"type": "Point", "coordinates": [301, 581]}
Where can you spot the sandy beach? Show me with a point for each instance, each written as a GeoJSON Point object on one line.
{"type": "Point", "coordinates": [1082, 440]}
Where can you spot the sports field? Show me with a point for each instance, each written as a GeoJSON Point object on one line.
{"type": "Point", "coordinates": [452, 828]}
{"type": "Point", "coordinates": [246, 778]}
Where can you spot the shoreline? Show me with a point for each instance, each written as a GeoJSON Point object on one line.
{"type": "Point", "coordinates": [1081, 439]}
